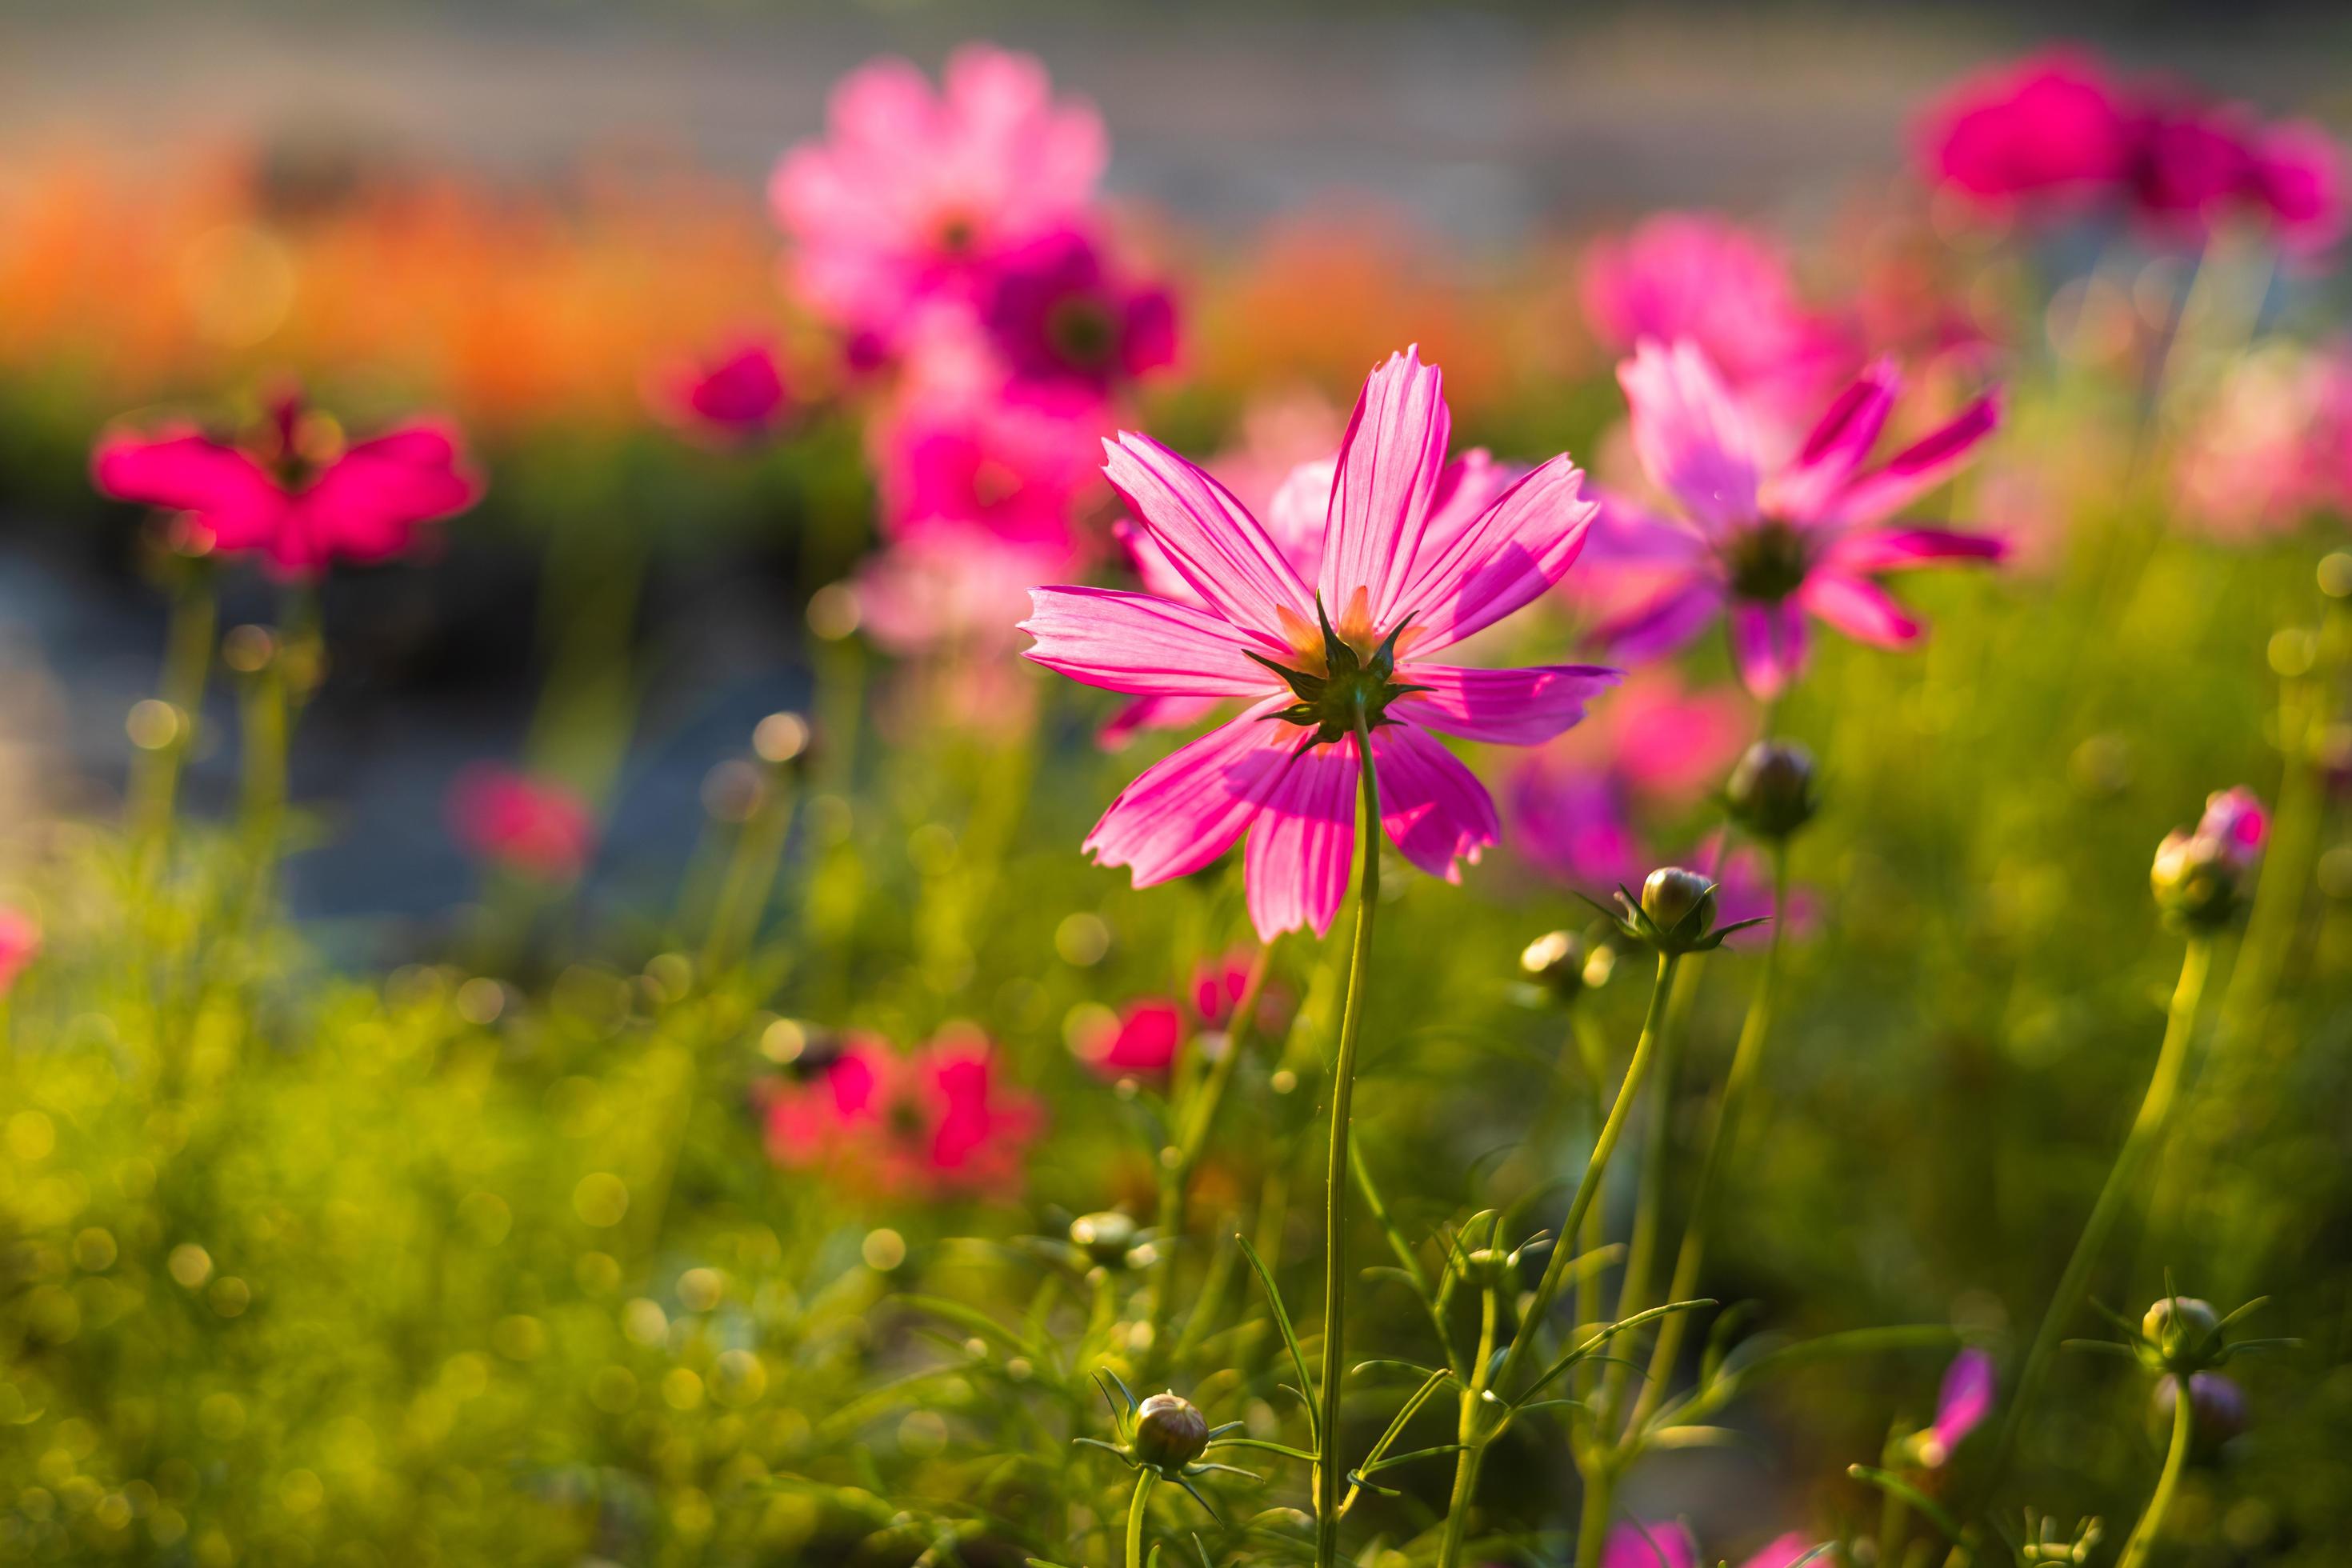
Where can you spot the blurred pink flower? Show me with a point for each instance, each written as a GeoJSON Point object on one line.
{"type": "Point", "coordinates": [1573, 804]}
{"type": "Point", "coordinates": [933, 1122]}
{"type": "Point", "coordinates": [916, 195]}
{"type": "Point", "coordinates": [1219, 985]}
{"type": "Point", "coordinates": [20, 944]}
{"type": "Point", "coordinates": [298, 497]}
{"type": "Point", "coordinates": [532, 826]}
{"type": "Point", "coordinates": [967, 461]}
{"type": "Point", "coordinates": [1063, 318]}
{"type": "Point", "coordinates": [1146, 1041]}
{"type": "Point", "coordinates": [2235, 820]}
{"type": "Point", "coordinates": [1961, 1405]}
{"type": "Point", "coordinates": [2271, 446]}
{"type": "Point", "coordinates": [1402, 576]}
{"type": "Point", "coordinates": [1769, 548]}
{"type": "Point", "coordinates": [1784, 1551]}
{"type": "Point", "coordinates": [1652, 1543]}
{"type": "Point", "coordinates": [732, 395]}
{"type": "Point", "coordinates": [2050, 125]}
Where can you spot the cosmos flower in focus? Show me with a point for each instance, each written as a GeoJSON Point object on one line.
{"type": "Point", "coordinates": [1769, 548]}
{"type": "Point", "coordinates": [916, 195]}
{"type": "Point", "coordinates": [937, 1121]}
{"type": "Point", "coordinates": [1064, 318]}
{"type": "Point", "coordinates": [731, 397]}
{"type": "Point", "coordinates": [20, 944]}
{"type": "Point", "coordinates": [1402, 576]}
{"type": "Point", "coordinates": [533, 827]}
{"type": "Point", "coordinates": [299, 496]}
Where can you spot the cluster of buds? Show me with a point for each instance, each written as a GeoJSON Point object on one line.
{"type": "Point", "coordinates": [1772, 792]}
{"type": "Point", "coordinates": [2202, 874]}
{"type": "Point", "coordinates": [1166, 1435]}
{"type": "Point", "coordinates": [1675, 914]}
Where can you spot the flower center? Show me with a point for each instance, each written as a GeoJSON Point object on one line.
{"type": "Point", "coordinates": [1768, 562]}
{"type": "Point", "coordinates": [1081, 332]}
{"type": "Point", "coordinates": [1351, 688]}
{"type": "Point", "coordinates": [958, 235]}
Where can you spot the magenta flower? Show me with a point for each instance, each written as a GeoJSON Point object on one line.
{"type": "Point", "coordinates": [534, 828]}
{"type": "Point", "coordinates": [1961, 1405]}
{"type": "Point", "coordinates": [20, 944]}
{"type": "Point", "coordinates": [917, 195]}
{"type": "Point", "coordinates": [1064, 319]}
{"type": "Point", "coordinates": [1771, 549]}
{"type": "Point", "coordinates": [963, 459]}
{"type": "Point", "coordinates": [1148, 1034]}
{"type": "Point", "coordinates": [1650, 1543]}
{"type": "Point", "coordinates": [934, 1122]}
{"type": "Point", "coordinates": [733, 396]}
{"type": "Point", "coordinates": [1782, 1552]}
{"type": "Point", "coordinates": [2050, 126]}
{"type": "Point", "coordinates": [1402, 578]}
{"type": "Point", "coordinates": [298, 497]}
{"type": "Point", "coordinates": [1219, 985]}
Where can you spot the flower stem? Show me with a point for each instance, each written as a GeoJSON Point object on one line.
{"type": "Point", "coordinates": [2147, 1132]}
{"type": "Point", "coordinates": [2175, 1459]}
{"type": "Point", "coordinates": [1753, 1033]}
{"type": "Point", "coordinates": [1466, 1476]}
{"type": "Point", "coordinates": [1135, 1513]}
{"type": "Point", "coordinates": [187, 661]}
{"type": "Point", "coordinates": [750, 876]}
{"type": "Point", "coordinates": [1327, 1469]}
{"type": "Point", "coordinates": [1649, 1205]}
{"type": "Point", "coordinates": [1556, 1270]}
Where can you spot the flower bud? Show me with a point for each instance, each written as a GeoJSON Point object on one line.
{"type": "Point", "coordinates": [2217, 1411]}
{"type": "Point", "coordinates": [1105, 1239]}
{"type": "Point", "coordinates": [1557, 960]}
{"type": "Point", "coordinates": [1771, 792]}
{"type": "Point", "coordinates": [2184, 1331]}
{"type": "Point", "coordinates": [2201, 875]}
{"type": "Point", "coordinates": [1672, 898]}
{"type": "Point", "coordinates": [1170, 1434]}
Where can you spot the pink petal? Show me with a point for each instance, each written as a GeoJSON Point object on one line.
{"type": "Point", "coordinates": [1570, 818]}
{"type": "Point", "coordinates": [1153, 713]}
{"type": "Point", "coordinates": [369, 502]}
{"type": "Point", "coordinates": [234, 496]}
{"type": "Point", "coordinates": [1918, 468]}
{"type": "Point", "coordinates": [1860, 608]}
{"type": "Point", "coordinates": [1867, 550]}
{"type": "Point", "coordinates": [1514, 706]}
{"type": "Point", "coordinates": [1390, 461]}
{"type": "Point", "coordinates": [1783, 1552]}
{"type": "Point", "coordinates": [1470, 485]}
{"type": "Point", "coordinates": [1187, 809]}
{"type": "Point", "coordinates": [1432, 806]}
{"type": "Point", "coordinates": [1664, 623]}
{"type": "Point", "coordinates": [1515, 550]}
{"type": "Point", "coordinates": [1295, 864]}
{"type": "Point", "coordinates": [1767, 644]}
{"type": "Point", "coordinates": [1838, 443]}
{"type": "Point", "coordinates": [1965, 1399]}
{"type": "Point", "coordinates": [1210, 539]}
{"type": "Point", "coordinates": [1625, 533]}
{"type": "Point", "coordinates": [1135, 642]}
{"type": "Point", "coordinates": [1299, 513]}
{"type": "Point", "coordinates": [1692, 437]}
{"type": "Point", "coordinates": [1650, 1544]}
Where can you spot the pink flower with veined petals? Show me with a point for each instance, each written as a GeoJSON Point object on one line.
{"type": "Point", "coordinates": [731, 397]}
{"type": "Point", "coordinates": [20, 944]}
{"type": "Point", "coordinates": [1964, 1401]}
{"type": "Point", "coordinates": [1402, 576]}
{"type": "Point", "coordinates": [1652, 1543]}
{"type": "Point", "coordinates": [934, 1122]}
{"type": "Point", "coordinates": [534, 828]}
{"type": "Point", "coordinates": [1772, 548]}
{"type": "Point", "coordinates": [1064, 317]}
{"type": "Point", "coordinates": [300, 497]}
{"type": "Point", "coordinates": [917, 195]}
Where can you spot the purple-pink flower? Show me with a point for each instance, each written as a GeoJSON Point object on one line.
{"type": "Point", "coordinates": [935, 1122]}
{"type": "Point", "coordinates": [534, 828]}
{"type": "Point", "coordinates": [1962, 1404]}
{"type": "Point", "coordinates": [733, 396]}
{"type": "Point", "coordinates": [1650, 1544]}
{"type": "Point", "coordinates": [1066, 319]}
{"type": "Point", "coordinates": [20, 944]}
{"type": "Point", "coordinates": [299, 496]}
{"type": "Point", "coordinates": [1769, 548]}
{"type": "Point", "coordinates": [1404, 575]}
{"type": "Point", "coordinates": [917, 194]}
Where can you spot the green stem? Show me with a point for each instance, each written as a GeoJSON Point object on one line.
{"type": "Point", "coordinates": [2176, 1458]}
{"type": "Point", "coordinates": [1135, 1514]}
{"type": "Point", "coordinates": [1649, 1207]}
{"type": "Point", "coordinates": [2146, 1130]}
{"type": "Point", "coordinates": [187, 662]}
{"type": "Point", "coordinates": [1592, 1522]}
{"type": "Point", "coordinates": [1745, 1056]}
{"type": "Point", "coordinates": [1466, 1476]}
{"type": "Point", "coordinates": [1327, 1469]}
{"type": "Point", "coordinates": [750, 876]}
{"type": "Point", "coordinates": [1555, 1272]}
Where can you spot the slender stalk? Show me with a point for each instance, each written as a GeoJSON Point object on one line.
{"type": "Point", "coordinates": [1135, 1510]}
{"type": "Point", "coordinates": [1466, 1476]}
{"type": "Point", "coordinates": [1587, 1304]}
{"type": "Point", "coordinates": [1649, 1207]}
{"type": "Point", "coordinates": [2147, 1132]}
{"type": "Point", "coordinates": [1745, 1056]}
{"type": "Point", "coordinates": [751, 875]}
{"type": "Point", "coordinates": [1555, 1272]}
{"type": "Point", "coordinates": [1327, 1469]}
{"type": "Point", "coordinates": [2175, 1459]}
{"type": "Point", "coordinates": [187, 662]}
{"type": "Point", "coordinates": [1592, 1522]}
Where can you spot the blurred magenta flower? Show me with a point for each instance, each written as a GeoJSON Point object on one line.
{"type": "Point", "coordinates": [932, 1122]}
{"type": "Point", "coordinates": [1573, 804]}
{"type": "Point", "coordinates": [1403, 574]}
{"type": "Point", "coordinates": [1783, 1552]}
{"type": "Point", "coordinates": [533, 827]}
{"type": "Point", "coordinates": [1149, 1035]}
{"type": "Point", "coordinates": [2271, 446]}
{"type": "Point", "coordinates": [1064, 320]}
{"type": "Point", "coordinates": [917, 195]}
{"type": "Point", "coordinates": [20, 944]}
{"type": "Point", "coordinates": [963, 460]}
{"type": "Point", "coordinates": [1770, 549]}
{"type": "Point", "coordinates": [1219, 985]}
{"type": "Point", "coordinates": [297, 496]}
{"type": "Point", "coordinates": [2235, 820]}
{"type": "Point", "coordinates": [1650, 1544]}
{"type": "Point", "coordinates": [733, 396]}
{"type": "Point", "coordinates": [2053, 125]}
{"type": "Point", "coordinates": [1961, 1405]}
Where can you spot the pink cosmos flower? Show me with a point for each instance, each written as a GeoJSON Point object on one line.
{"type": "Point", "coordinates": [1063, 318]}
{"type": "Point", "coordinates": [20, 944]}
{"type": "Point", "coordinates": [2051, 125]}
{"type": "Point", "coordinates": [733, 396]}
{"type": "Point", "coordinates": [2273, 445]}
{"type": "Point", "coordinates": [917, 195]}
{"type": "Point", "coordinates": [1772, 548]}
{"type": "Point", "coordinates": [1652, 1543]}
{"type": "Point", "coordinates": [297, 497]}
{"type": "Point", "coordinates": [1572, 804]}
{"type": "Point", "coordinates": [1402, 576]}
{"type": "Point", "coordinates": [934, 1122]}
{"type": "Point", "coordinates": [957, 460]}
{"type": "Point", "coordinates": [1961, 1405]}
{"type": "Point", "coordinates": [1145, 1042]}
{"type": "Point", "coordinates": [532, 826]}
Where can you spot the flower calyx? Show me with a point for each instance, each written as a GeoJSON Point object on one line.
{"type": "Point", "coordinates": [1353, 688]}
{"type": "Point", "coordinates": [1674, 915]}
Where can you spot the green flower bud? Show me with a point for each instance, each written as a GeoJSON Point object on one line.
{"type": "Point", "coordinates": [1566, 965]}
{"type": "Point", "coordinates": [1105, 1239]}
{"type": "Point", "coordinates": [1675, 899]}
{"type": "Point", "coordinates": [1771, 792]}
{"type": "Point", "coordinates": [2185, 1332]}
{"type": "Point", "coordinates": [1170, 1434]}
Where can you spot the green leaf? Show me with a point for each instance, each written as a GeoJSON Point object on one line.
{"type": "Point", "coordinates": [1289, 1337]}
{"type": "Point", "coordinates": [1405, 1413]}
{"type": "Point", "coordinates": [1601, 1338]}
{"type": "Point", "coordinates": [1896, 1487]}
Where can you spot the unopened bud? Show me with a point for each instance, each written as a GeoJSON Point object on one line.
{"type": "Point", "coordinates": [2217, 1410]}
{"type": "Point", "coordinates": [1557, 960]}
{"type": "Point", "coordinates": [1170, 1434]}
{"type": "Point", "coordinates": [1771, 792]}
{"type": "Point", "coordinates": [2201, 874]}
{"type": "Point", "coordinates": [1105, 1239]}
{"type": "Point", "coordinates": [1675, 899]}
{"type": "Point", "coordinates": [2183, 1330]}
